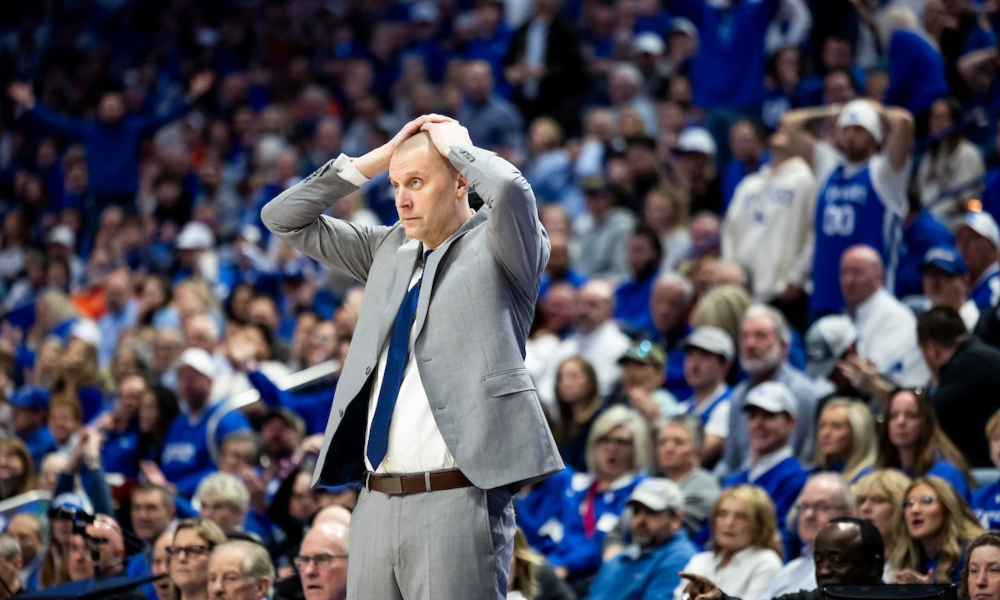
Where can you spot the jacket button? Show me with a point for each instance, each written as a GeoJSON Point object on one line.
{"type": "Point", "coordinates": [341, 413]}
{"type": "Point", "coordinates": [368, 371]}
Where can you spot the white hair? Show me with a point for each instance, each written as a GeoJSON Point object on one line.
{"type": "Point", "coordinates": [226, 487]}
{"type": "Point", "coordinates": [895, 18]}
{"type": "Point", "coordinates": [256, 560]}
{"type": "Point", "coordinates": [781, 328]}
{"type": "Point", "coordinates": [629, 71]}
{"type": "Point", "coordinates": [673, 279]}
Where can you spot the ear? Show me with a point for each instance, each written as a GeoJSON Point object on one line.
{"type": "Point", "coordinates": [463, 186]}
{"type": "Point", "coordinates": [263, 587]}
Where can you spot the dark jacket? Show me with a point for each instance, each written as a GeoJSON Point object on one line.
{"type": "Point", "coordinates": [967, 396]}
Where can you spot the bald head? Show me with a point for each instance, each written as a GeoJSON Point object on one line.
{"type": "Point", "coordinates": [595, 305]}
{"type": "Point", "coordinates": [861, 274]}
{"type": "Point", "coordinates": [335, 514]}
{"type": "Point", "coordinates": [325, 542]}
{"type": "Point", "coordinates": [420, 145]}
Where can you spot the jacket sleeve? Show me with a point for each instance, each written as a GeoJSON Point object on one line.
{"type": "Point", "coordinates": [150, 124]}
{"type": "Point", "coordinates": [296, 216]}
{"type": "Point", "coordinates": [57, 123]}
{"type": "Point", "coordinates": [520, 244]}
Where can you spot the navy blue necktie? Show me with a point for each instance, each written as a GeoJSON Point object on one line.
{"type": "Point", "coordinates": [395, 365]}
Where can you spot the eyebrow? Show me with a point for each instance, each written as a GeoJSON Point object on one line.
{"type": "Point", "coordinates": [406, 174]}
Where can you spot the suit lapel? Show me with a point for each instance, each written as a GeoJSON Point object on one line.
{"type": "Point", "coordinates": [430, 270]}
{"type": "Point", "coordinates": [407, 256]}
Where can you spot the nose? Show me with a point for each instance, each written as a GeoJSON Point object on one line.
{"type": "Point", "coordinates": [982, 580]}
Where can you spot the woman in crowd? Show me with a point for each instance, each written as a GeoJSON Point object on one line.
{"type": "Point", "coordinates": [47, 361]}
{"type": "Point", "coordinates": [931, 533]}
{"type": "Point", "coordinates": [981, 575]}
{"type": "Point", "coordinates": [194, 540]}
{"type": "Point", "coordinates": [132, 357]}
{"type": "Point", "coordinates": [986, 500]}
{"type": "Point", "coordinates": [156, 295]}
{"type": "Point", "coordinates": [952, 170]}
{"type": "Point", "coordinates": [879, 496]}
{"type": "Point", "coordinates": [618, 452]}
{"type": "Point", "coordinates": [579, 405]}
{"type": "Point", "coordinates": [55, 569]}
{"type": "Point", "coordinates": [17, 471]}
{"type": "Point", "coordinates": [911, 440]}
{"type": "Point", "coordinates": [667, 213]}
{"type": "Point", "coordinates": [745, 552]}
{"type": "Point", "coordinates": [845, 439]}
{"type": "Point", "coordinates": [79, 377]}
{"type": "Point", "coordinates": [157, 411]}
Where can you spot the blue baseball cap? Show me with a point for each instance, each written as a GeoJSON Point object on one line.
{"type": "Point", "coordinates": [30, 397]}
{"type": "Point", "coordinates": [946, 258]}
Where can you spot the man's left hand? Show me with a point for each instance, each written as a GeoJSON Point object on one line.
{"type": "Point", "coordinates": [447, 134]}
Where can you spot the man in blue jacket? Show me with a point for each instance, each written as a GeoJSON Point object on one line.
{"type": "Point", "coordinates": [649, 567]}
{"type": "Point", "coordinates": [30, 405]}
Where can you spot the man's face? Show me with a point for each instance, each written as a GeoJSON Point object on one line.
{"type": "Point", "coordinates": [675, 449]}
{"type": "Point", "coordinates": [703, 370]}
{"type": "Point", "coordinates": [161, 566]}
{"type": "Point", "coordinates": [478, 81]}
{"type": "Point", "coordinates": [944, 289]}
{"type": "Point", "coordinates": [641, 375]}
{"type": "Point", "coordinates": [222, 513]}
{"type": "Point", "coordinates": [769, 432]}
{"type": "Point", "coordinates": [592, 309]}
{"type": "Point", "coordinates": [227, 581]}
{"type": "Point", "coordinates": [979, 252]}
{"type": "Point", "coordinates": [80, 564]}
{"type": "Point", "coordinates": [150, 515]}
{"type": "Point", "coordinates": [325, 581]}
{"type": "Point", "coordinates": [278, 439]}
{"type": "Point", "coordinates": [237, 454]}
{"type": "Point", "coordinates": [667, 305]}
{"type": "Point", "coordinates": [856, 143]}
{"type": "Point", "coordinates": [860, 277]}
{"type": "Point", "coordinates": [653, 527]}
{"type": "Point", "coordinates": [560, 306]}
{"type": "Point", "coordinates": [839, 557]}
{"type": "Point", "coordinates": [428, 194]}
{"type": "Point", "coordinates": [822, 500]}
{"type": "Point", "coordinates": [111, 108]}
{"type": "Point", "coordinates": [28, 534]}
{"type": "Point", "coordinates": [760, 347]}
{"type": "Point", "coordinates": [303, 503]}
{"type": "Point", "coordinates": [194, 387]}
{"type": "Point", "coordinates": [25, 419]}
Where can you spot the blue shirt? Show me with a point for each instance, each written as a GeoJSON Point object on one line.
{"type": "Point", "coordinates": [185, 459]}
{"type": "Point", "coordinates": [782, 482]}
{"type": "Point", "coordinates": [950, 473]}
{"type": "Point", "coordinates": [313, 406]}
{"type": "Point", "coordinates": [140, 565]}
{"type": "Point", "coordinates": [40, 442]}
{"type": "Point", "coordinates": [922, 234]}
{"type": "Point", "coordinates": [644, 573]}
{"type": "Point", "coordinates": [539, 511]}
{"type": "Point", "coordinates": [120, 452]}
{"type": "Point", "coordinates": [986, 290]}
{"type": "Point", "coordinates": [676, 384]}
{"type": "Point", "coordinates": [916, 72]}
{"type": "Point", "coordinates": [986, 504]}
{"type": "Point", "coordinates": [577, 552]}
{"type": "Point", "coordinates": [632, 304]}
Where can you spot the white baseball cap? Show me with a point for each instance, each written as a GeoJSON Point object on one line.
{"type": "Point", "coordinates": [826, 342]}
{"type": "Point", "coordinates": [658, 494]}
{"type": "Point", "coordinates": [87, 331]}
{"type": "Point", "coordinates": [195, 236]}
{"type": "Point", "coordinates": [62, 235]}
{"type": "Point", "coordinates": [862, 113]}
{"type": "Point", "coordinates": [648, 42]}
{"type": "Point", "coordinates": [983, 224]}
{"type": "Point", "coordinates": [199, 360]}
{"type": "Point", "coordinates": [696, 139]}
{"type": "Point", "coordinates": [711, 339]}
{"type": "Point", "coordinates": [773, 397]}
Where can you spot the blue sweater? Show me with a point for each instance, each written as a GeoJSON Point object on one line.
{"type": "Point", "coordinates": [644, 574]}
{"type": "Point", "coordinates": [783, 483]}
{"type": "Point", "coordinates": [112, 151]}
{"type": "Point", "coordinates": [729, 66]}
{"type": "Point", "coordinates": [185, 459]}
{"type": "Point", "coordinates": [922, 234]}
{"type": "Point", "coordinates": [578, 553]}
{"type": "Point", "coordinates": [916, 72]}
{"type": "Point", "coordinates": [538, 512]}
{"type": "Point", "coordinates": [313, 407]}
{"type": "Point", "coordinates": [39, 442]}
{"type": "Point", "coordinates": [986, 503]}
{"type": "Point", "coordinates": [632, 304]}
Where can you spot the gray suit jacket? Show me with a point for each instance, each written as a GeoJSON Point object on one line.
{"type": "Point", "coordinates": [476, 305]}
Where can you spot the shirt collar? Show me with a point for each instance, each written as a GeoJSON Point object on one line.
{"type": "Point", "coordinates": [990, 271]}
{"type": "Point", "coordinates": [768, 462]}
{"type": "Point", "coordinates": [864, 310]}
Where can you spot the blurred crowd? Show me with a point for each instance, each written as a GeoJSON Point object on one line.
{"type": "Point", "coordinates": [772, 298]}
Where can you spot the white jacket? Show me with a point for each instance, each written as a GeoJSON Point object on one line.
{"type": "Point", "coordinates": [887, 335]}
{"type": "Point", "coordinates": [768, 227]}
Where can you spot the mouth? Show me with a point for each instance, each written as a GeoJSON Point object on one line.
{"type": "Point", "coordinates": [916, 523]}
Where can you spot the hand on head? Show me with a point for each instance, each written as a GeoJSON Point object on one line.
{"type": "Point", "coordinates": [377, 161]}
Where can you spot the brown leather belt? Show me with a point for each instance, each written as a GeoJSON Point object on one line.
{"type": "Point", "coordinates": [404, 485]}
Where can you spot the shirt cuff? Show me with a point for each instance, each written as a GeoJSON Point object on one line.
{"type": "Point", "coordinates": [348, 172]}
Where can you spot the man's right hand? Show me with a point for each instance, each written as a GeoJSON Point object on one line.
{"type": "Point", "coordinates": [21, 93]}
{"type": "Point", "coordinates": [700, 588]}
{"type": "Point", "coordinates": [376, 162]}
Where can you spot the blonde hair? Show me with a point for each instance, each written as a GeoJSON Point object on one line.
{"type": "Point", "coordinates": [762, 516]}
{"type": "Point", "coordinates": [863, 441]}
{"type": "Point", "coordinates": [959, 526]}
{"type": "Point", "coordinates": [525, 575]}
{"type": "Point", "coordinates": [993, 426]}
{"type": "Point", "coordinates": [724, 307]}
{"type": "Point", "coordinates": [889, 484]}
{"type": "Point", "coordinates": [621, 416]}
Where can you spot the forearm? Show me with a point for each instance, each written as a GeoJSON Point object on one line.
{"type": "Point", "coordinates": [95, 483]}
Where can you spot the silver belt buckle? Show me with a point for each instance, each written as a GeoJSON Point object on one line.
{"type": "Point", "coordinates": [392, 486]}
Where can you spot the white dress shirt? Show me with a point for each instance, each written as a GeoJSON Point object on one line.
{"type": "Point", "coordinates": [970, 314]}
{"type": "Point", "coordinates": [415, 442]}
{"type": "Point", "coordinates": [799, 574]}
{"type": "Point", "coordinates": [747, 576]}
{"type": "Point", "coordinates": [887, 335]}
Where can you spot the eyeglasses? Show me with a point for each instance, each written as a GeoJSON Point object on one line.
{"type": "Point", "coordinates": [323, 562]}
{"type": "Point", "coordinates": [619, 442]}
{"type": "Point", "coordinates": [821, 507]}
{"type": "Point", "coordinates": [922, 501]}
{"type": "Point", "coordinates": [190, 551]}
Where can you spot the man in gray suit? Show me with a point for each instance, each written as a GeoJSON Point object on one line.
{"type": "Point", "coordinates": [434, 411]}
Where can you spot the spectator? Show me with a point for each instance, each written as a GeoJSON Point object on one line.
{"type": "Point", "coordinates": [645, 253]}
{"type": "Point", "coordinates": [194, 541]}
{"type": "Point", "coordinates": [680, 446]}
{"type": "Point", "coordinates": [746, 547]}
{"type": "Point", "coordinates": [886, 327]}
{"type": "Point", "coordinates": [978, 238]}
{"type": "Point", "coordinates": [152, 510]}
{"type": "Point", "coordinates": [708, 357]}
{"type": "Point", "coordinates": [495, 123]}
{"type": "Point", "coordinates": [662, 546]}
{"type": "Point", "coordinates": [539, 510]}
{"type": "Point", "coordinates": [598, 340]}
{"type": "Point", "coordinates": [696, 170]}
{"type": "Point", "coordinates": [17, 470]}
{"type": "Point", "coordinates": [769, 227]}
{"type": "Point", "coordinates": [65, 419]}
{"type": "Point", "coordinates": [322, 562]}
{"type": "Point", "coordinates": [832, 348]}
{"type": "Point", "coordinates": [946, 283]}
{"type": "Point", "coordinates": [79, 377]}
{"type": "Point", "coordinates": [11, 562]}
{"type": "Point", "coordinates": [157, 410]}
{"type": "Point", "coordinates": [670, 305]}
{"type": "Point", "coordinates": [979, 557]}
{"type": "Point", "coordinates": [967, 373]}
{"type": "Point", "coordinates": [932, 532]}
{"type": "Point", "coordinates": [763, 347]}
{"type": "Point", "coordinates": [160, 565]}
{"type": "Point", "coordinates": [916, 68]}
{"type": "Point", "coordinates": [225, 500]}
{"type": "Point", "coordinates": [112, 553]}
{"type": "Point", "coordinates": [986, 500]}
{"type": "Point", "coordinates": [826, 496]}
{"type": "Point", "coordinates": [883, 179]}
{"type": "Point", "coordinates": [845, 439]}
{"type": "Point", "coordinates": [28, 419]}
{"type": "Point", "coordinates": [911, 440]}
{"type": "Point", "coordinates": [185, 459]}
{"type": "Point", "coordinates": [27, 530]}
{"type": "Point", "coordinates": [617, 454]}
{"type": "Point", "coordinates": [240, 570]}
{"type": "Point", "coordinates": [121, 312]}
{"type": "Point", "coordinates": [665, 210]}
{"type": "Point", "coordinates": [602, 241]}
{"type": "Point", "coordinates": [952, 170]}
{"type": "Point", "coordinates": [773, 412]}
{"type": "Point", "coordinates": [879, 497]}
{"type": "Point", "coordinates": [642, 383]}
